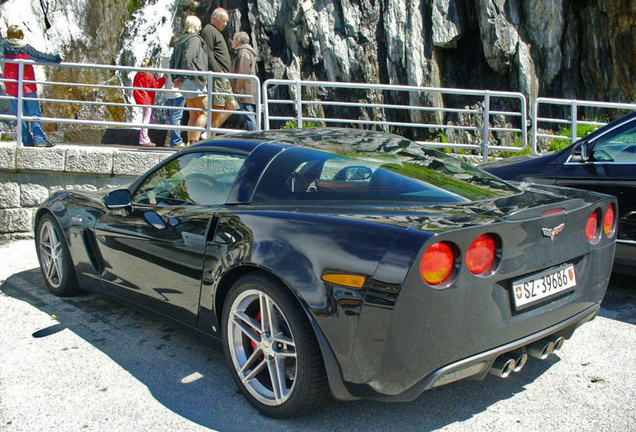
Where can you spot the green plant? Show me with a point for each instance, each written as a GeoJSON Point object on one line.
{"type": "Point", "coordinates": [442, 137]}
{"type": "Point", "coordinates": [293, 124]}
{"type": "Point", "coordinates": [581, 131]}
{"type": "Point", "coordinates": [517, 143]}
{"type": "Point", "coordinates": [133, 5]}
{"type": "Point", "coordinates": [4, 137]}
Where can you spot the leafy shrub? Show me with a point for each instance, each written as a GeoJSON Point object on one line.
{"type": "Point", "coordinates": [518, 142]}
{"type": "Point", "coordinates": [581, 131]}
{"type": "Point", "coordinates": [293, 124]}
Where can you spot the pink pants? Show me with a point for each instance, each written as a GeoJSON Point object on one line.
{"type": "Point", "coordinates": [148, 118]}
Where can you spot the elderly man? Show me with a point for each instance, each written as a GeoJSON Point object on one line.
{"type": "Point", "coordinates": [219, 61]}
{"type": "Point", "coordinates": [244, 62]}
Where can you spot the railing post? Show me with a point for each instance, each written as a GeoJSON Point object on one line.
{"type": "Point", "coordinates": [259, 125]}
{"type": "Point", "coordinates": [534, 113]}
{"type": "Point", "coordinates": [265, 106]}
{"type": "Point", "coordinates": [575, 116]}
{"type": "Point", "coordinates": [484, 144]}
{"type": "Point", "coordinates": [19, 110]}
{"type": "Point", "coordinates": [210, 104]}
{"type": "Point", "coordinates": [299, 104]}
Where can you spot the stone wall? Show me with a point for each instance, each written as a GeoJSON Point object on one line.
{"type": "Point", "coordinates": [28, 175]}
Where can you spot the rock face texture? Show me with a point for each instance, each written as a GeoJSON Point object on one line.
{"type": "Point", "coordinates": [583, 49]}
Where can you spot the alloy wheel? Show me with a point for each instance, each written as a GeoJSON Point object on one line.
{"type": "Point", "coordinates": [262, 347]}
{"type": "Point", "coordinates": [51, 254]}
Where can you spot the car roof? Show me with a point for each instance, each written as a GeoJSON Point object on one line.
{"type": "Point", "coordinates": [332, 140]}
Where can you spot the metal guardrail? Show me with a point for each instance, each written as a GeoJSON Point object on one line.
{"type": "Point", "coordinates": [121, 92]}
{"type": "Point", "coordinates": [574, 121]}
{"type": "Point", "coordinates": [380, 105]}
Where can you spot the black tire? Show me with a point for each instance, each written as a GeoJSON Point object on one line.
{"type": "Point", "coordinates": [285, 351]}
{"type": "Point", "coordinates": [54, 258]}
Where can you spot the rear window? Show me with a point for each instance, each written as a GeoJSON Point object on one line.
{"type": "Point", "coordinates": [413, 176]}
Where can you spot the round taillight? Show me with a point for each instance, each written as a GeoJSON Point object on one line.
{"type": "Point", "coordinates": [481, 254]}
{"type": "Point", "coordinates": [592, 227]}
{"type": "Point", "coordinates": [437, 263]}
{"type": "Point", "coordinates": [609, 221]}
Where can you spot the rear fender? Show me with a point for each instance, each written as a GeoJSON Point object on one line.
{"type": "Point", "coordinates": [298, 250]}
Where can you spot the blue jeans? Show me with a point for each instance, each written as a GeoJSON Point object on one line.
{"type": "Point", "coordinates": [175, 119]}
{"type": "Point", "coordinates": [248, 120]}
{"type": "Point", "coordinates": [30, 107]}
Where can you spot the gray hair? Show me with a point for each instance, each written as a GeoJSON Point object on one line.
{"type": "Point", "coordinates": [219, 13]}
{"type": "Point", "coordinates": [192, 25]}
{"type": "Point", "coordinates": [242, 37]}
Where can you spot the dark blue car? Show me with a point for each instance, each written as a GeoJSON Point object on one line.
{"type": "Point", "coordinates": [603, 161]}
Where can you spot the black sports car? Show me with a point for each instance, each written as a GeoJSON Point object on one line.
{"type": "Point", "coordinates": [603, 161]}
{"type": "Point", "coordinates": [339, 262]}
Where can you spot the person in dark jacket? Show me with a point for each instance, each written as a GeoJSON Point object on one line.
{"type": "Point", "coordinates": [190, 54]}
{"type": "Point", "coordinates": [143, 82]}
{"type": "Point", "coordinates": [244, 62]}
{"type": "Point", "coordinates": [219, 61]}
{"type": "Point", "coordinates": [14, 47]}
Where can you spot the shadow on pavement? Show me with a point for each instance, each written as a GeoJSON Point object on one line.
{"type": "Point", "coordinates": [190, 378]}
{"type": "Point", "coordinates": [620, 301]}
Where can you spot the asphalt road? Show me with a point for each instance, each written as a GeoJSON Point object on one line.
{"type": "Point", "coordinates": [86, 364]}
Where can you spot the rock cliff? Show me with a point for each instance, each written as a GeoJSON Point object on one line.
{"type": "Point", "coordinates": [584, 49]}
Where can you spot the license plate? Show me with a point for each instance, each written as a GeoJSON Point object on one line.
{"type": "Point", "coordinates": [540, 287]}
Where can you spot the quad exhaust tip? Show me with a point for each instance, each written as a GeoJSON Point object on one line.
{"type": "Point", "coordinates": [515, 360]}
{"type": "Point", "coordinates": [558, 343]}
{"type": "Point", "coordinates": [543, 348]}
{"type": "Point", "coordinates": [521, 358]}
{"type": "Point", "coordinates": [503, 366]}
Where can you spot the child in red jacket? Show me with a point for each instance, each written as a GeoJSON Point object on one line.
{"type": "Point", "coordinates": [143, 81]}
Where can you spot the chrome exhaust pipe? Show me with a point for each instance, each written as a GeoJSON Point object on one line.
{"type": "Point", "coordinates": [558, 343]}
{"type": "Point", "coordinates": [503, 366]}
{"type": "Point", "coordinates": [541, 349]}
{"type": "Point", "coordinates": [521, 358]}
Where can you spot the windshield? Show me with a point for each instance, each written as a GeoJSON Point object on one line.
{"type": "Point", "coordinates": [418, 175]}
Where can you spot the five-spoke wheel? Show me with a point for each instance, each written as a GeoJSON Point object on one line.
{"type": "Point", "coordinates": [54, 258]}
{"type": "Point", "coordinates": [275, 358]}
{"type": "Point", "coordinates": [262, 348]}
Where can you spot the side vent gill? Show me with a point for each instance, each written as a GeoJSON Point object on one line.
{"type": "Point", "coordinates": [90, 243]}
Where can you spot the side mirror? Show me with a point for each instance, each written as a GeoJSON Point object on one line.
{"type": "Point", "coordinates": [118, 199]}
{"type": "Point", "coordinates": [585, 151]}
{"type": "Point", "coordinates": [582, 150]}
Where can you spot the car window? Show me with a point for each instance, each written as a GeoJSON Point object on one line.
{"type": "Point", "coordinates": [196, 178]}
{"type": "Point", "coordinates": [617, 146]}
{"type": "Point", "coordinates": [306, 174]}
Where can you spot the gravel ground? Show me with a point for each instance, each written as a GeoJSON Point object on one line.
{"type": "Point", "coordinates": [86, 364]}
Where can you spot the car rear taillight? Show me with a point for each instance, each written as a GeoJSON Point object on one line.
{"type": "Point", "coordinates": [592, 227]}
{"type": "Point", "coordinates": [482, 254]}
{"type": "Point", "coordinates": [609, 221]}
{"type": "Point", "coordinates": [438, 263]}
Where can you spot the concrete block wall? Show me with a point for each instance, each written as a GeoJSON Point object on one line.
{"type": "Point", "coordinates": [28, 175]}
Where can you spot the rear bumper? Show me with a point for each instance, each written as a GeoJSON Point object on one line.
{"type": "Point", "coordinates": [625, 259]}
{"type": "Point", "coordinates": [477, 366]}
{"type": "Point", "coordinates": [427, 337]}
